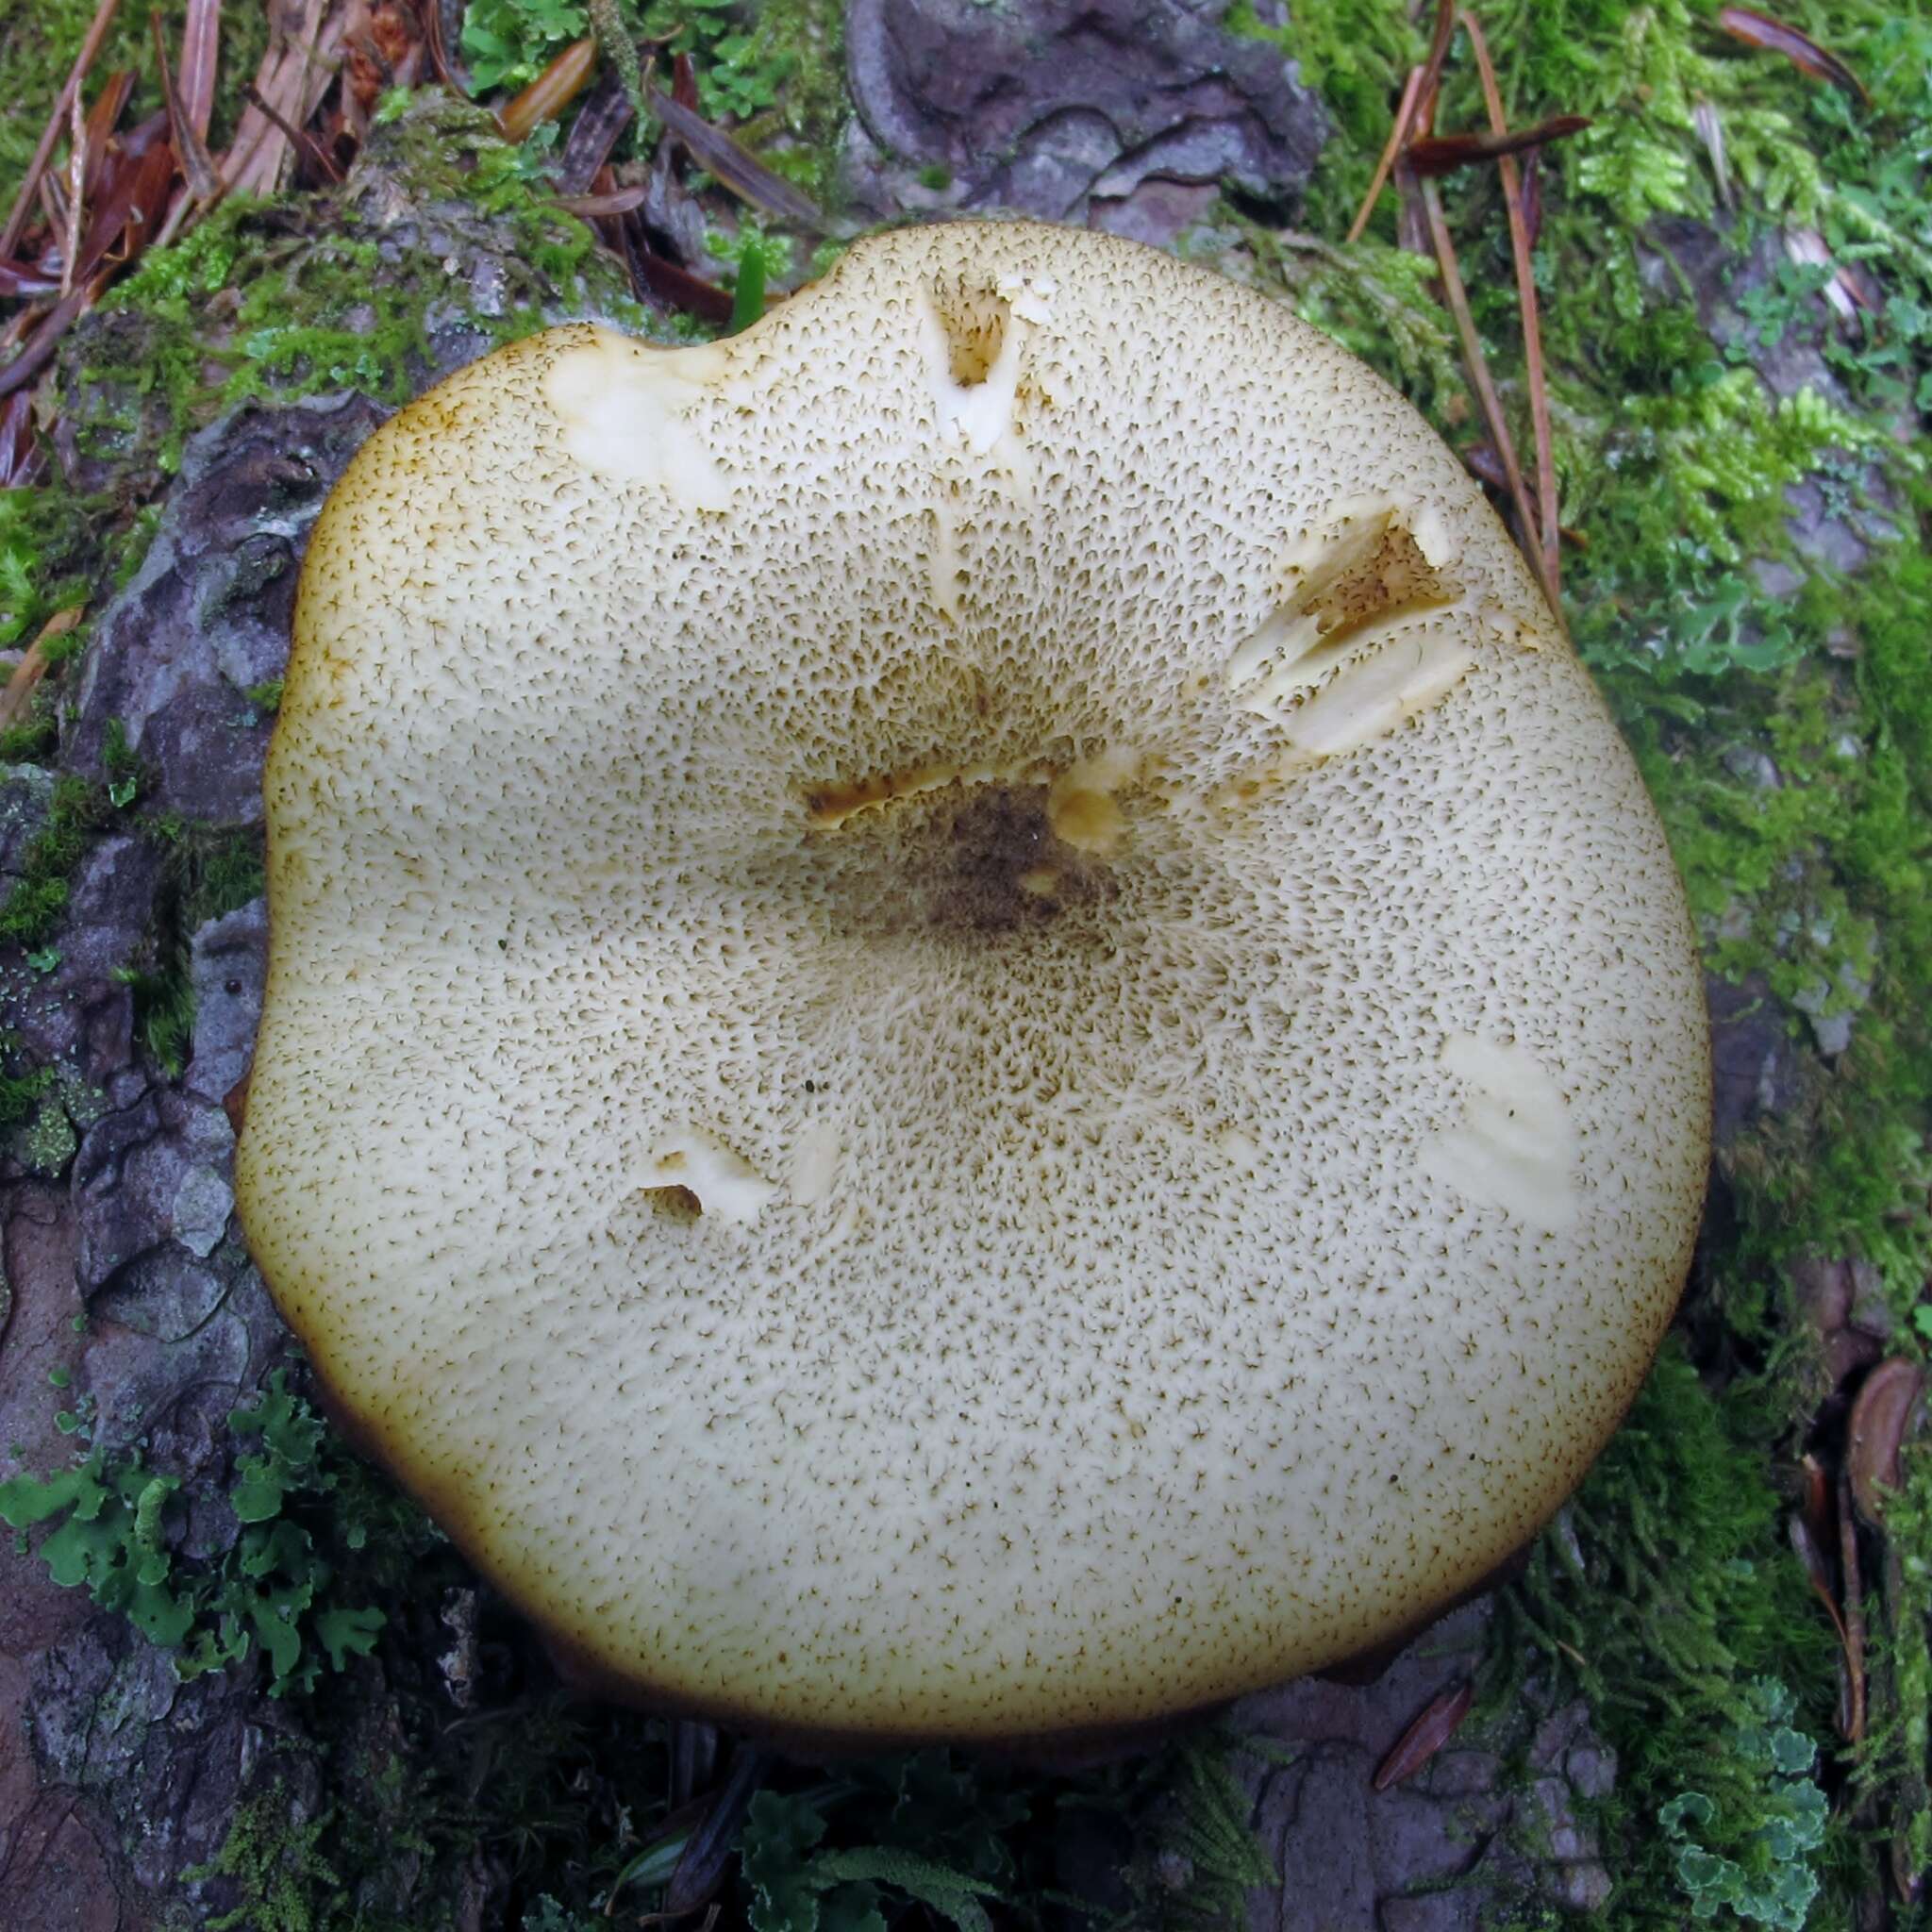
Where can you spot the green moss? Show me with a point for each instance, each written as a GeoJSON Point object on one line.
{"type": "Point", "coordinates": [218, 873]}
{"type": "Point", "coordinates": [1673, 463]}
{"type": "Point", "coordinates": [1666, 1590]}
{"type": "Point", "coordinates": [1377, 302]}
{"type": "Point", "coordinates": [259, 301]}
{"type": "Point", "coordinates": [21, 1094]}
{"type": "Point", "coordinates": [31, 742]}
{"type": "Point", "coordinates": [1354, 54]}
{"type": "Point", "coordinates": [271, 1859]}
{"type": "Point", "coordinates": [1826, 881]}
{"type": "Point", "coordinates": [39, 896]}
{"type": "Point", "coordinates": [808, 37]}
{"type": "Point", "coordinates": [206, 873]}
{"type": "Point", "coordinates": [45, 539]}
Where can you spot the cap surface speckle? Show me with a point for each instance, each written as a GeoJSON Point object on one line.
{"type": "Point", "coordinates": [972, 1029]}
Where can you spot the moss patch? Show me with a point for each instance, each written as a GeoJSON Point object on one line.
{"type": "Point", "coordinates": [269, 1866]}
{"type": "Point", "coordinates": [75, 816]}
{"type": "Point", "coordinates": [1668, 1591]}
{"type": "Point", "coordinates": [1783, 718]}
{"type": "Point", "coordinates": [346, 292]}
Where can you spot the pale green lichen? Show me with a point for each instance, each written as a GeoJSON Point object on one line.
{"type": "Point", "coordinates": [269, 1591]}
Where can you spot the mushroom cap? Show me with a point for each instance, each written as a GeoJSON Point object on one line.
{"type": "Point", "coordinates": [973, 1030]}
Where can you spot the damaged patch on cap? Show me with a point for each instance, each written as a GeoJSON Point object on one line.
{"type": "Point", "coordinates": [625, 408]}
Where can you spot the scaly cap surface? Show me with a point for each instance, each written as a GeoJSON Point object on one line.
{"type": "Point", "coordinates": [972, 1028]}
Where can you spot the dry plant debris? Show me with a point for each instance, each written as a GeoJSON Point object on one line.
{"type": "Point", "coordinates": [96, 195]}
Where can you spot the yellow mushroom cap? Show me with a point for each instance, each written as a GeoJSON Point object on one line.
{"type": "Point", "coordinates": [972, 1028]}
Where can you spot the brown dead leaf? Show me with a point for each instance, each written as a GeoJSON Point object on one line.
{"type": "Point", "coordinates": [57, 123]}
{"type": "Point", "coordinates": [602, 117]}
{"type": "Point", "coordinates": [1884, 1413]}
{"type": "Point", "coordinates": [1851, 1717]}
{"type": "Point", "coordinates": [620, 201]}
{"type": "Point", "coordinates": [1438, 1723]}
{"type": "Point", "coordinates": [17, 449]}
{"type": "Point", "coordinates": [1442, 154]}
{"type": "Point", "coordinates": [102, 119]}
{"type": "Point", "coordinates": [1759, 30]}
{"type": "Point", "coordinates": [739, 170]}
{"type": "Point", "coordinates": [130, 213]}
{"type": "Point", "coordinates": [551, 93]}
{"type": "Point", "coordinates": [675, 287]}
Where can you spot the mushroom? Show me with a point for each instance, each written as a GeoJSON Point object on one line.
{"type": "Point", "coordinates": [973, 1030]}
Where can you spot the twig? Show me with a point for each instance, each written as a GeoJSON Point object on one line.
{"type": "Point", "coordinates": [1457, 299]}
{"type": "Point", "coordinates": [97, 33]}
{"type": "Point", "coordinates": [77, 178]}
{"type": "Point", "coordinates": [1853, 1630]}
{"type": "Point", "coordinates": [302, 141]}
{"type": "Point", "coordinates": [200, 45]}
{"type": "Point", "coordinates": [1398, 134]}
{"type": "Point", "coordinates": [1411, 217]}
{"type": "Point", "coordinates": [1439, 38]}
{"type": "Point", "coordinates": [295, 73]}
{"type": "Point", "coordinates": [1417, 110]}
{"type": "Point", "coordinates": [1547, 534]}
{"type": "Point", "coordinates": [33, 665]}
{"type": "Point", "coordinates": [53, 201]}
{"type": "Point", "coordinates": [203, 183]}
{"type": "Point", "coordinates": [438, 53]}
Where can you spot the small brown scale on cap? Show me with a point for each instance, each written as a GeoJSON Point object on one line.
{"type": "Point", "coordinates": [972, 1029]}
